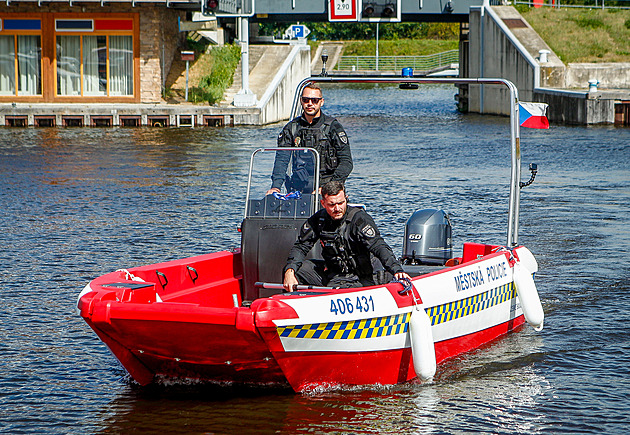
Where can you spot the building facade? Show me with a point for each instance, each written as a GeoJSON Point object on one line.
{"type": "Point", "coordinates": [86, 52]}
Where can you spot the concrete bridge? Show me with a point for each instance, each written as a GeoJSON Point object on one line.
{"type": "Point", "coordinates": [365, 10]}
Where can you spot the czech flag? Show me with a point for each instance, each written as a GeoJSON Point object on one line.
{"type": "Point", "coordinates": [533, 115]}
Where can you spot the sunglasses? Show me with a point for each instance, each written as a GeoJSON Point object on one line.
{"type": "Point", "coordinates": [314, 100]}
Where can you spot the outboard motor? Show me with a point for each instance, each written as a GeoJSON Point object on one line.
{"type": "Point", "coordinates": [427, 238]}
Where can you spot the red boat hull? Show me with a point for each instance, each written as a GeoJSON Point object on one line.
{"type": "Point", "coordinates": [165, 322]}
{"type": "Point", "coordinates": [312, 370]}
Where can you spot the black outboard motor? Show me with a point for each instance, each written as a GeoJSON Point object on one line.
{"type": "Point", "coordinates": [427, 238]}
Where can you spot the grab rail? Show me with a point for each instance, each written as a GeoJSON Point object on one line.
{"type": "Point", "coordinates": [515, 177]}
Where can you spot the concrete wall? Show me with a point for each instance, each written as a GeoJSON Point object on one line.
{"type": "Point", "coordinates": [503, 45]}
{"type": "Point", "coordinates": [581, 107]}
{"type": "Point", "coordinates": [277, 101]}
{"type": "Point", "coordinates": [494, 54]}
{"type": "Point", "coordinates": [609, 75]}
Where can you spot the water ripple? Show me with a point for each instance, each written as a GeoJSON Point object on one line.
{"type": "Point", "coordinates": [77, 203]}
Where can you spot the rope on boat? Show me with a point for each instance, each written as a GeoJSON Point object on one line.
{"type": "Point", "coordinates": [407, 286]}
{"type": "Point", "coordinates": [292, 195]}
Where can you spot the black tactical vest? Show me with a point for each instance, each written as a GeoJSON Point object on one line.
{"type": "Point", "coordinates": [337, 250]}
{"type": "Point", "coordinates": [317, 138]}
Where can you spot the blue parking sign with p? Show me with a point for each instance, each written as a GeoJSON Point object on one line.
{"type": "Point", "coordinates": [298, 31]}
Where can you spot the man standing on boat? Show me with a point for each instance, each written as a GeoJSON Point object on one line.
{"type": "Point", "coordinates": [313, 129]}
{"type": "Point", "coordinates": [348, 236]}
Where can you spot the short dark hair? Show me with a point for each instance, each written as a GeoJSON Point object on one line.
{"type": "Point", "coordinates": [313, 86]}
{"type": "Point", "coordinates": [332, 188]}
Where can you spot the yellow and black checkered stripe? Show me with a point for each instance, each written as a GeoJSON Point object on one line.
{"type": "Point", "coordinates": [398, 324]}
{"type": "Point", "coordinates": [349, 330]}
{"type": "Point", "coordinates": [474, 304]}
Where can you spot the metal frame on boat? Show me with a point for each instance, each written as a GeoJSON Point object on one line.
{"type": "Point", "coordinates": [514, 204]}
{"type": "Point", "coordinates": [208, 319]}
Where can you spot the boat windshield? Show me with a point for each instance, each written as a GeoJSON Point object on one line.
{"type": "Point", "coordinates": [291, 174]}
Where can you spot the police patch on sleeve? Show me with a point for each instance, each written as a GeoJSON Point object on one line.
{"type": "Point", "coordinates": [343, 137]}
{"type": "Point", "coordinates": [368, 231]}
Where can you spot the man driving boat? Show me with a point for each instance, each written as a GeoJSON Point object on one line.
{"type": "Point", "coordinates": [348, 236]}
{"type": "Point", "coordinates": [313, 129]}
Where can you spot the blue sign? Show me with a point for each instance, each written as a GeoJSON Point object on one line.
{"type": "Point", "coordinates": [297, 31]}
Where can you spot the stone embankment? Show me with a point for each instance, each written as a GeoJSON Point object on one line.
{"type": "Point", "coordinates": [502, 44]}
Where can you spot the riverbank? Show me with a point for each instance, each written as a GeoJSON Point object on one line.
{"type": "Point", "coordinates": [583, 35]}
{"type": "Point", "coordinates": [198, 111]}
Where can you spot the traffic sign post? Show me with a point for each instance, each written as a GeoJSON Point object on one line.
{"type": "Point", "coordinates": [342, 10]}
{"type": "Point", "coordinates": [187, 56]}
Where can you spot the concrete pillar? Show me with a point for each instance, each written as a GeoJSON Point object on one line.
{"type": "Point", "coordinates": [245, 97]}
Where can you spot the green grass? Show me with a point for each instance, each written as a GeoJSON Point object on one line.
{"type": "Point", "coordinates": [223, 63]}
{"type": "Point", "coordinates": [429, 39]}
{"type": "Point", "coordinates": [583, 35]}
{"type": "Point", "coordinates": [401, 47]}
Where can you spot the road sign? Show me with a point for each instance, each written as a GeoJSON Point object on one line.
{"type": "Point", "coordinates": [297, 31]}
{"type": "Point", "coordinates": [342, 10]}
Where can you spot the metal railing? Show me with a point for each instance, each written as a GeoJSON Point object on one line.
{"type": "Point", "coordinates": [396, 63]}
{"type": "Point", "coordinates": [590, 4]}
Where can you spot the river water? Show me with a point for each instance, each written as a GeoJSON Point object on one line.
{"type": "Point", "coordinates": [77, 203]}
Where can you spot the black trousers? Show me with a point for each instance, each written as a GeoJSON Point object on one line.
{"type": "Point", "coordinates": [314, 272]}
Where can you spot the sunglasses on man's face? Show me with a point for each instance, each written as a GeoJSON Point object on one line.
{"type": "Point", "coordinates": [314, 100]}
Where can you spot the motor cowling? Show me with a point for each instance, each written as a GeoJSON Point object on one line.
{"type": "Point", "coordinates": [428, 239]}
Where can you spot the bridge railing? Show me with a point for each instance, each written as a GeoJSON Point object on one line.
{"type": "Point", "coordinates": [396, 63]}
{"type": "Point", "coordinates": [590, 4]}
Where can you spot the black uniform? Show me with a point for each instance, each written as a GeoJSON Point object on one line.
{"type": "Point", "coordinates": [328, 137]}
{"type": "Point", "coordinates": [346, 247]}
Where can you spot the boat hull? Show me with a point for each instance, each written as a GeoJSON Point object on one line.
{"type": "Point", "coordinates": [164, 322]}
{"type": "Point", "coordinates": [308, 371]}
{"type": "Point", "coordinates": [189, 351]}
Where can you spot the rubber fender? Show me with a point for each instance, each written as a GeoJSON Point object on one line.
{"type": "Point", "coordinates": [528, 295]}
{"type": "Point", "coordinates": [527, 259]}
{"type": "Point", "coordinates": [422, 346]}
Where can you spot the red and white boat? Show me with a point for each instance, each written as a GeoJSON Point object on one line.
{"type": "Point", "coordinates": [217, 318]}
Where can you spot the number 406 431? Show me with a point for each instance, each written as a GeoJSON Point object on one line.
{"type": "Point", "coordinates": [362, 304]}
